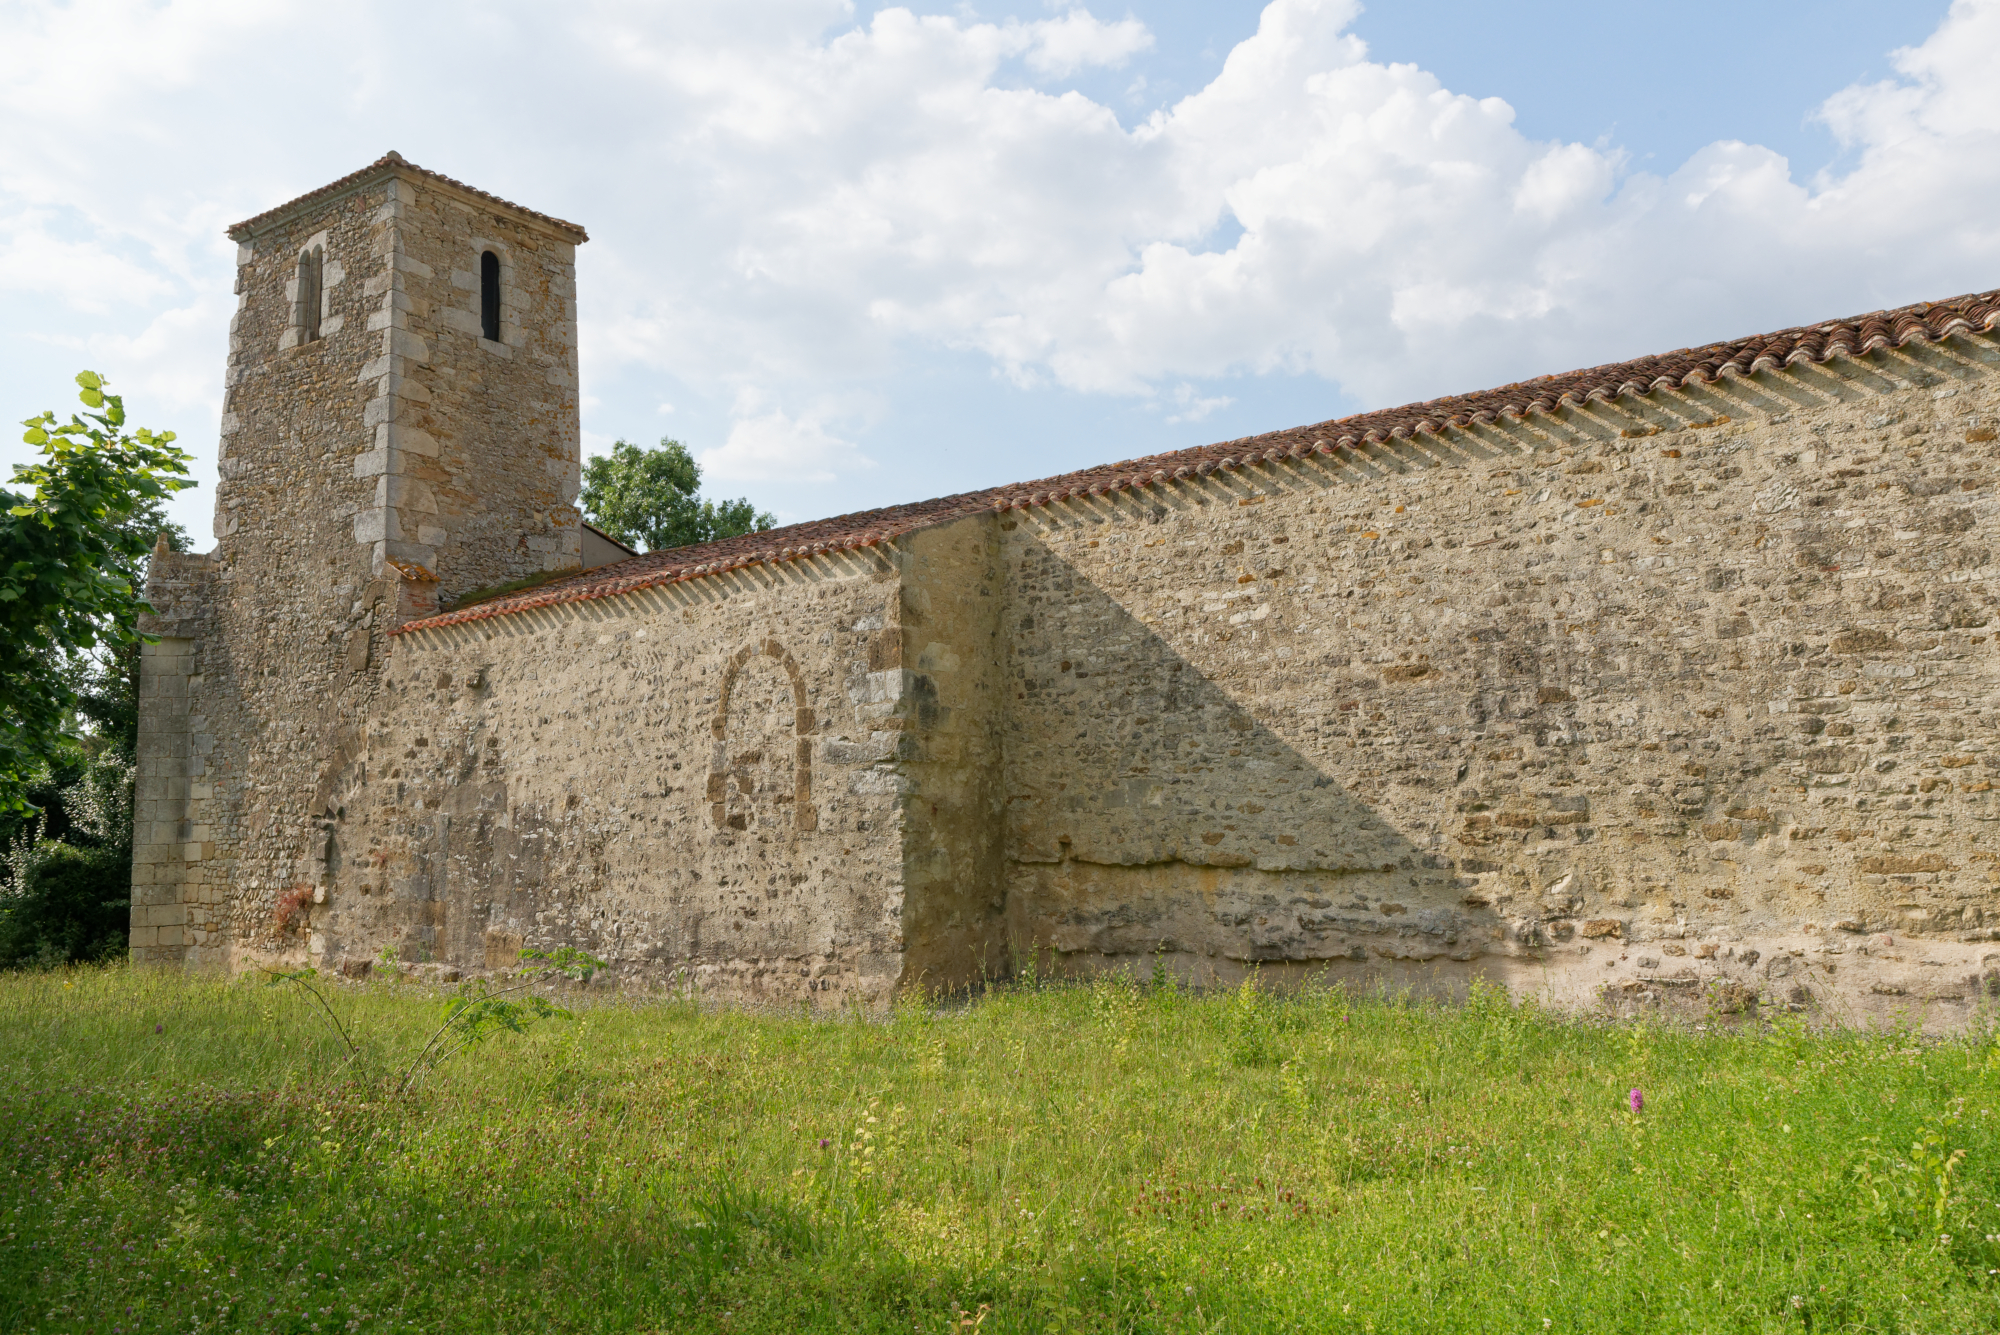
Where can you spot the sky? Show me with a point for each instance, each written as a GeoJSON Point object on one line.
{"type": "Point", "coordinates": [856, 254]}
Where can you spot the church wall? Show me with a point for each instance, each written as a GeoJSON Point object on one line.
{"type": "Point", "coordinates": [949, 754]}
{"type": "Point", "coordinates": [1683, 696]}
{"type": "Point", "coordinates": [1661, 696]}
{"type": "Point", "coordinates": [681, 781]}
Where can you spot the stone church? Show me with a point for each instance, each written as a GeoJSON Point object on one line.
{"type": "Point", "coordinates": [1669, 678]}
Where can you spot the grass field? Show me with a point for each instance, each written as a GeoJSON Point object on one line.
{"type": "Point", "coordinates": [182, 1155]}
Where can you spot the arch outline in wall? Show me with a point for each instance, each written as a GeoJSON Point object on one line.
{"type": "Point", "coordinates": [805, 816]}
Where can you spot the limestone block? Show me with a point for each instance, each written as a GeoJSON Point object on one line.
{"type": "Point", "coordinates": [397, 385]}
{"type": "Point", "coordinates": [413, 553]}
{"type": "Point", "coordinates": [405, 493]}
{"type": "Point", "coordinates": [406, 344]}
{"type": "Point", "coordinates": [389, 364]}
{"type": "Point", "coordinates": [407, 439]}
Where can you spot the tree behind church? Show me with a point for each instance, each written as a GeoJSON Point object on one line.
{"type": "Point", "coordinates": [648, 498]}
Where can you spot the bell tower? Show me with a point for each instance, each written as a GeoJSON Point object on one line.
{"type": "Point", "coordinates": [399, 426]}
{"type": "Point", "coordinates": [402, 386]}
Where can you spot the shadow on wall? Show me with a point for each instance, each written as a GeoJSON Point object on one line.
{"type": "Point", "coordinates": [1152, 813]}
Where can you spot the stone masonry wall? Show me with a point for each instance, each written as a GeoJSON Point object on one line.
{"type": "Point", "coordinates": [173, 802]}
{"type": "Point", "coordinates": [948, 755]}
{"type": "Point", "coordinates": [476, 458]}
{"type": "Point", "coordinates": [695, 783]}
{"type": "Point", "coordinates": [1675, 694]}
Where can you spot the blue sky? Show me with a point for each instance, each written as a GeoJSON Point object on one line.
{"type": "Point", "coordinates": [853, 256]}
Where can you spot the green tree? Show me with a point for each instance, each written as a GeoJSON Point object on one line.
{"type": "Point", "coordinates": [646, 498]}
{"type": "Point", "coordinates": [72, 551]}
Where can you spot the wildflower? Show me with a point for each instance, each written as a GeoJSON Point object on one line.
{"type": "Point", "coordinates": [159, 1028]}
{"type": "Point", "coordinates": [824, 1142]}
{"type": "Point", "coordinates": [1638, 1100]}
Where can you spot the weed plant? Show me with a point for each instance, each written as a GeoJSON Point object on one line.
{"type": "Point", "coordinates": [188, 1155]}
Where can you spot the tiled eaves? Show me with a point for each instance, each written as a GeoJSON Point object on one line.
{"type": "Point", "coordinates": [393, 163]}
{"type": "Point", "coordinates": [1813, 345]}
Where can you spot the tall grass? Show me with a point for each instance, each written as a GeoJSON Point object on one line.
{"type": "Point", "coordinates": [183, 1154]}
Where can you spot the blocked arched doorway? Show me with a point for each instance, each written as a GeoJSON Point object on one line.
{"type": "Point", "coordinates": [761, 775]}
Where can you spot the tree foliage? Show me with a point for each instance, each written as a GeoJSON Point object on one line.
{"type": "Point", "coordinates": [69, 875]}
{"type": "Point", "coordinates": [72, 561]}
{"type": "Point", "coordinates": [71, 553]}
{"type": "Point", "coordinates": [647, 498]}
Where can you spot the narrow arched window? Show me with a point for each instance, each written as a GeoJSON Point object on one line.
{"type": "Point", "coordinates": [312, 265]}
{"type": "Point", "coordinates": [489, 296]}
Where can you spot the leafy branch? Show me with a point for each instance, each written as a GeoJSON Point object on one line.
{"type": "Point", "coordinates": [479, 1010]}
{"type": "Point", "coordinates": [474, 1012]}
{"type": "Point", "coordinates": [70, 556]}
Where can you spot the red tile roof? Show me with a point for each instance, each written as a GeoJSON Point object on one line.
{"type": "Point", "coordinates": [1924, 322]}
{"type": "Point", "coordinates": [395, 163]}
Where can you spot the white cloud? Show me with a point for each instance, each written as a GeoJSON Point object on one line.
{"type": "Point", "coordinates": [1189, 406]}
{"type": "Point", "coordinates": [1078, 40]}
{"type": "Point", "coordinates": [767, 444]}
{"type": "Point", "coordinates": [83, 274]}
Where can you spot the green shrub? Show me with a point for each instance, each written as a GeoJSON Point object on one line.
{"type": "Point", "coordinates": [68, 899]}
{"type": "Point", "coordinates": [73, 905]}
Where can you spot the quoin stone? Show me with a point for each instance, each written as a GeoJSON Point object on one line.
{"type": "Point", "coordinates": [1667, 681]}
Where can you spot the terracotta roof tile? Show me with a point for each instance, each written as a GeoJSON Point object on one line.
{"type": "Point", "coordinates": [393, 162]}
{"type": "Point", "coordinates": [1926, 322]}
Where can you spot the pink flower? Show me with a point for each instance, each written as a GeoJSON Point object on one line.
{"type": "Point", "coordinates": [1638, 1100]}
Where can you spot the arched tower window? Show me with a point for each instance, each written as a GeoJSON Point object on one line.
{"type": "Point", "coordinates": [489, 296]}
{"type": "Point", "coordinates": [312, 276]}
